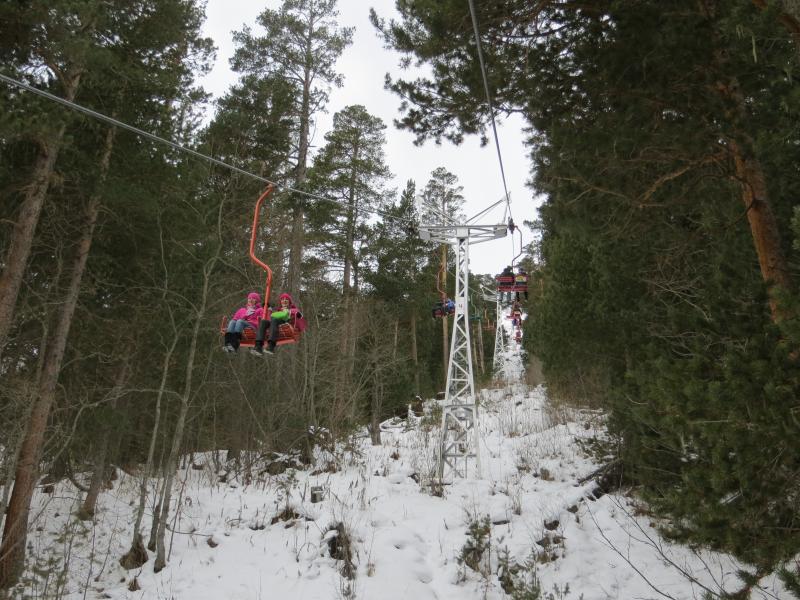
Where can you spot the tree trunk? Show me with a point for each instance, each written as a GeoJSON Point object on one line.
{"type": "Point", "coordinates": [298, 237]}
{"type": "Point", "coordinates": [294, 271]}
{"type": "Point", "coordinates": [7, 483]}
{"type": "Point", "coordinates": [479, 327]}
{"type": "Point", "coordinates": [414, 356]}
{"type": "Point", "coordinates": [750, 176]}
{"type": "Point", "coordinates": [445, 328]}
{"type": "Point", "coordinates": [394, 341]}
{"type": "Point", "coordinates": [763, 225]}
{"type": "Point", "coordinates": [24, 229]}
{"type": "Point", "coordinates": [87, 509]}
{"type": "Point", "coordinates": [10, 461]}
{"type": "Point", "coordinates": [476, 355]}
{"type": "Point", "coordinates": [19, 249]}
{"type": "Point", "coordinates": [177, 438]}
{"type": "Point", "coordinates": [296, 251]}
{"type": "Point", "coordinates": [377, 407]}
{"type": "Point", "coordinates": [136, 556]}
{"type": "Point", "coordinates": [347, 342]}
{"type": "Point", "coordinates": [12, 549]}
{"type": "Point", "coordinates": [154, 520]}
{"type": "Point", "coordinates": [343, 359]}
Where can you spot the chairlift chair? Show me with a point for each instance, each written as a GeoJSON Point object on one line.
{"type": "Point", "coordinates": [445, 307]}
{"type": "Point", "coordinates": [287, 333]}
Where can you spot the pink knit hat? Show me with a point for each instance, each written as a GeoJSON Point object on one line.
{"type": "Point", "coordinates": [254, 295]}
{"type": "Point", "coordinates": [285, 295]}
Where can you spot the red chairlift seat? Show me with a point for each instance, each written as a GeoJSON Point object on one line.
{"type": "Point", "coordinates": [505, 283]}
{"type": "Point", "coordinates": [442, 310]}
{"type": "Point", "coordinates": [508, 281]}
{"type": "Point", "coordinates": [445, 307]}
{"type": "Point", "coordinates": [287, 333]}
{"type": "Point", "coordinates": [521, 282]}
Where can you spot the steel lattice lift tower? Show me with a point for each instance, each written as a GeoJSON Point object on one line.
{"type": "Point", "coordinates": [498, 363]}
{"type": "Point", "coordinates": [459, 442]}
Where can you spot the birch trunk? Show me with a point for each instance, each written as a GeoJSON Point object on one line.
{"type": "Point", "coordinates": [177, 438]}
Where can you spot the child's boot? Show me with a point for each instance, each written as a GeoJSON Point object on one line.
{"type": "Point", "coordinates": [229, 347]}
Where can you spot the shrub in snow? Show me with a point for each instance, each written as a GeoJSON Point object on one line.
{"type": "Point", "coordinates": [519, 581]}
{"type": "Point", "coordinates": [476, 551]}
{"type": "Point", "coordinates": [340, 547]}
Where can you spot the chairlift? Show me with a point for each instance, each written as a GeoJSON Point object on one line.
{"type": "Point", "coordinates": [509, 282]}
{"type": "Point", "coordinates": [287, 333]}
{"type": "Point", "coordinates": [445, 307]}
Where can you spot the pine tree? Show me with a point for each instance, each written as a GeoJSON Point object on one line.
{"type": "Point", "coordinates": [302, 44]}
{"type": "Point", "coordinates": [441, 203]}
{"type": "Point", "coordinates": [82, 43]}
{"type": "Point", "coordinates": [396, 276]}
{"type": "Point", "coordinates": [350, 168]}
{"type": "Point", "coordinates": [660, 135]}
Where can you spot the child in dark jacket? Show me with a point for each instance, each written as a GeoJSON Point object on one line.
{"type": "Point", "coordinates": [246, 317]}
{"type": "Point", "coordinates": [287, 313]}
{"type": "Point", "coordinates": [443, 308]}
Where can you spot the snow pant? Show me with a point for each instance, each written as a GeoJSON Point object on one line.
{"type": "Point", "coordinates": [239, 325]}
{"type": "Point", "coordinates": [233, 335]}
{"type": "Point", "coordinates": [274, 329]}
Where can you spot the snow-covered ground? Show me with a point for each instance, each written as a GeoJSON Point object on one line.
{"type": "Point", "coordinates": [364, 522]}
{"type": "Point", "coordinates": [228, 542]}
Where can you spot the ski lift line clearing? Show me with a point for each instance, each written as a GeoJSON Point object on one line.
{"type": "Point", "coordinates": [287, 334]}
{"type": "Point", "coordinates": [117, 123]}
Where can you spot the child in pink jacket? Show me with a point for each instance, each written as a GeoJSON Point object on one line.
{"type": "Point", "coordinates": [247, 316]}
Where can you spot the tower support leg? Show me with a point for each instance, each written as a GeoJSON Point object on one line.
{"type": "Point", "coordinates": [458, 449]}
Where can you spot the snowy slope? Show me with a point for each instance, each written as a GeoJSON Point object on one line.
{"type": "Point", "coordinates": [405, 543]}
{"type": "Point", "coordinates": [364, 523]}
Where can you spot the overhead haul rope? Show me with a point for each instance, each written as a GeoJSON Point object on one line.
{"type": "Point", "coordinates": [112, 121]}
{"type": "Point", "coordinates": [491, 105]}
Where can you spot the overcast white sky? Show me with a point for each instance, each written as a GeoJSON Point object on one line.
{"type": "Point", "coordinates": [364, 64]}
